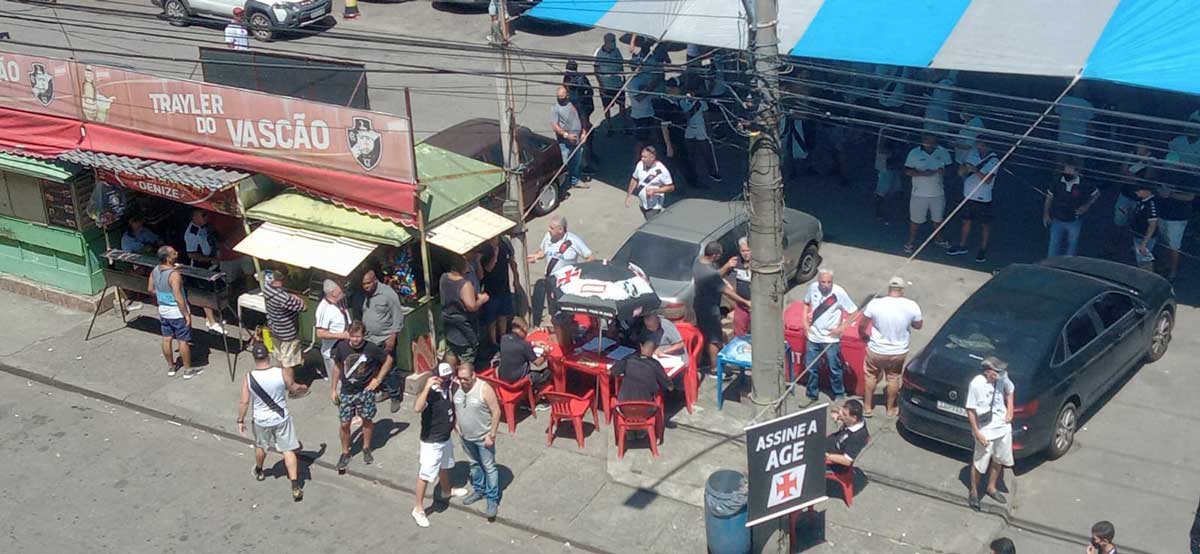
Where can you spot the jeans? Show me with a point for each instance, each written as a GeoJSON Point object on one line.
{"type": "Point", "coordinates": [485, 478]}
{"type": "Point", "coordinates": [811, 351]}
{"type": "Point", "coordinates": [1060, 230]}
{"type": "Point", "coordinates": [573, 164]}
{"type": "Point", "coordinates": [391, 385]}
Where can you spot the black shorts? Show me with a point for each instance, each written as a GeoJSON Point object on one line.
{"type": "Point", "coordinates": [607, 95]}
{"type": "Point", "coordinates": [643, 126]}
{"type": "Point", "coordinates": [978, 211]}
{"type": "Point", "coordinates": [710, 326]}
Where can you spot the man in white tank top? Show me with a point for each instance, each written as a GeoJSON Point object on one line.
{"type": "Point", "coordinates": [267, 387]}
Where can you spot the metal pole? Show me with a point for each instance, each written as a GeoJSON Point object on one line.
{"type": "Point", "coordinates": [514, 204]}
{"type": "Point", "coordinates": [764, 192]}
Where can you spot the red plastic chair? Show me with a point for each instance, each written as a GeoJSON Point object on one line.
{"type": "Point", "coordinates": [486, 372]}
{"type": "Point", "coordinates": [844, 476]}
{"type": "Point", "coordinates": [511, 394]}
{"type": "Point", "coordinates": [693, 341]}
{"type": "Point", "coordinates": [566, 406]}
{"type": "Point", "coordinates": [636, 416]}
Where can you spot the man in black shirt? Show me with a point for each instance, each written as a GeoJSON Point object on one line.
{"type": "Point", "coordinates": [1066, 202]}
{"type": "Point", "coordinates": [849, 441]}
{"type": "Point", "coordinates": [1143, 221]}
{"type": "Point", "coordinates": [499, 273]}
{"type": "Point", "coordinates": [435, 403]}
{"type": "Point", "coordinates": [709, 284]}
{"type": "Point", "coordinates": [518, 358]}
{"type": "Point", "coordinates": [358, 369]}
{"type": "Point", "coordinates": [643, 378]}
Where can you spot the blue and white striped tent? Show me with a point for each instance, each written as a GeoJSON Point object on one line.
{"type": "Point", "coordinates": [1152, 43]}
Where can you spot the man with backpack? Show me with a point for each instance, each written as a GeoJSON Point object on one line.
{"type": "Point", "coordinates": [266, 388]}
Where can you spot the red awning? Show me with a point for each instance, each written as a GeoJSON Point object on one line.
{"type": "Point", "coordinates": [46, 136]}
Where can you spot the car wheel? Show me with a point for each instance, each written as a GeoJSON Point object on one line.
{"type": "Point", "coordinates": [1160, 338]}
{"type": "Point", "coordinates": [546, 200]}
{"type": "Point", "coordinates": [260, 27]}
{"type": "Point", "coordinates": [176, 12]}
{"type": "Point", "coordinates": [807, 265]}
{"type": "Point", "coordinates": [1064, 431]}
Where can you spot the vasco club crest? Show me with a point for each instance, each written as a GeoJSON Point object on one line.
{"type": "Point", "coordinates": [366, 144]}
{"type": "Point", "coordinates": [42, 84]}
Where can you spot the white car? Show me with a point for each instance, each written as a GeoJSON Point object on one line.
{"type": "Point", "coordinates": [264, 18]}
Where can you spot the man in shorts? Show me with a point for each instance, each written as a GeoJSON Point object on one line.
{"type": "Point", "coordinates": [709, 284]}
{"type": "Point", "coordinates": [978, 172]}
{"type": "Point", "coordinates": [359, 368]}
{"type": "Point", "coordinates": [283, 318]}
{"type": "Point", "coordinates": [174, 317]}
{"type": "Point", "coordinates": [1174, 212]}
{"type": "Point", "coordinates": [267, 387]}
{"type": "Point", "coordinates": [435, 403]}
{"type": "Point", "coordinates": [926, 164]}
{"type": "Point", "coordinates": [990, 413]}
{"type": "Point", "coordinates": [889, 320]}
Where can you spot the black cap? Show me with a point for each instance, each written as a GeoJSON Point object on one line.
{"type": "Point", "coordinates": [259, 351]}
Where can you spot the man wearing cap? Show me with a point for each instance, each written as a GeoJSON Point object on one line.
{"type": "Point", "coordinates": [435, 403]}
{"type": "Point", "coordinates": [267, 387]}
{"type": "Point", "coordinates": [990, 413]}
{"type": "Point", "coordinates": [236, 36]}
{"type": "Point", "coordinates": [889, 320]}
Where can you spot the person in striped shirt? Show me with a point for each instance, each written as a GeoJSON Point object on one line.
{"type": "Point", "coordinates": [283, 311]}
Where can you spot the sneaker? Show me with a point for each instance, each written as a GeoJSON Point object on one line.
{"type": "Point", "coordinates": [973, 502]}
{"type": "Point", "coordinates": [134, 306]}
{"type": "Point", "coordinates": [419, 517]}
{"type": "Point", "coordinates": [172, 370]}
{"type": "Point", "coordinates": [981, 257]}
{"type": "Point", "coordinates": [472, 498]}
{"type": "Point", "coordinates": [942, 243]}
{"type": "Point", "coordinates": [396, 405]}
{"type": "Point", "coordinates": [192, 372]}
{"type": "Point", "coordinates": [581, 184]}
{"type": "Point", "coordinates": [908, 248]}
{"type": "Point", "coordinates": [297, 492]}
{"type": "Point", "coordinates": [215, 327]}
{"type": "Point", "coordinates": [956, 251]}
{"type": "Point", "coordinates": [459, 492]}
{"type": "Point", "coordinates": [258, 474]}
{"type": "Point", "coordinates": [492, 508]}
{"type": "Point", "coordinates": [380, 396]}
{"type": "Point", "coordinates": [997, 496]}
{"type": "Point", "coordinates": [343, 462]}
{"type": "Point", "coordinates": [543, 407]}
{"type": "Point", "coordinates": [368, 458]}
{"type": "Point", "coordinates": [808, 401]}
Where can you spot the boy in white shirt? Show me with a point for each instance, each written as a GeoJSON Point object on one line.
{"type": "Point", "coordinates": [651, 181]}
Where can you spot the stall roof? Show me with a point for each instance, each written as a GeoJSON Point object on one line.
{"type": "Point", "coordinates": [34, 167]}
{"type": "Point", "coordinates": [187, 175]}
{"type": "Point", "coordinates": [452, 182]}
{"type": "Point", "coordinates": [468, 230]}
{"type": "Point", "coordinates": [294, 209]}
{"type": "Point", "coordinates": [305, 249]}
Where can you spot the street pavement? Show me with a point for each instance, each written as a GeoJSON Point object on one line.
{"type": "Point", "coordinates": [1130, 464]}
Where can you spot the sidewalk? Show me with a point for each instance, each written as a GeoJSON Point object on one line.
{"type": "Point", "coordinates": [582, 496]}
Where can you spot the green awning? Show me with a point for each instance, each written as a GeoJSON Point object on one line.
{"type": "Point", "coordinates": [41, 169]}
{"type": "Point", "coordinates": [453, 183]}
{"type": "Point", "coordinates": [299, 211]}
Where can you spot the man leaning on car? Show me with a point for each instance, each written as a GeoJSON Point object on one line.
{"type": "Point", "coordinates": [990, 412]}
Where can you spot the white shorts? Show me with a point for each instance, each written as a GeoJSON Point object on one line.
{"type": "Point", "coordinates": [1171, 232]}
{"type": "Point", "coordinates": [435, 456]}
{"type": "Point", "coordinates": [921, 206]}
{"type": "Point", "coordinates": [998, 450]}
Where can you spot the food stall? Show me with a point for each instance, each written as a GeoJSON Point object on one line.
{"type": "Point", "coordinates": [45, 234]}
{"type": "Point", "coordinates": [319, 239]}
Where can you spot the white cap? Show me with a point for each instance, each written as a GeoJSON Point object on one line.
{"type": "Point", "coordinates": [897, 282]}
{"type": "Point", "coordinates": [444, 370]}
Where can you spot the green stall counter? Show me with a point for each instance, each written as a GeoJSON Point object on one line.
{"type": "Point", "coordinates": [62, 258]}
{"type": "Point", "coordinates": [416, 323]}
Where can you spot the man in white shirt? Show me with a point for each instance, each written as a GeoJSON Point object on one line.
{"type": "Point", "coordinates": [978, 172]}
{"type": "Point", "coordinates": [888, 321]}
{"type": "Point", "coordinates": [926, 164]}
{"type": "Point", "coordinates": [941, 95]}
{"type": "Point", "coordinates": [332, 322]}
{"type": "Point", "coordinates": [236, 36]}
{"type": "Point", "coordinates": [990, 413]}
{"type": "Point", "coordinates": [266, 389]}
{"type": "Point", "coordinates": [561, 248]}
{"type": "Point", "coordinates": [1074, 114]}
{"type": "Point", "coordinates": [829, 308]}
{"type": "Point", "coordinates": [651, 181]}
{"type": "Point", "coordinates": [965, 143]}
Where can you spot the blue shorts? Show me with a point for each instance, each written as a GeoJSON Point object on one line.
{"type": "Point", "coordinates": [175, 328]}
{"type": "Point", "coordinates": [500, 305]}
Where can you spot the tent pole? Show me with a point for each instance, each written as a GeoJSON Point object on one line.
{"type": "Point", "coordinates": [514, 203]}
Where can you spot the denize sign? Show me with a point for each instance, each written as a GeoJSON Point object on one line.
{"type": "Point", "coordinates": [786, 459]}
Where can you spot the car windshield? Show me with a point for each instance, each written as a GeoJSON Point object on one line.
{"type": "Point", "coordinates": [660, 257]}
{"type": "Point", "coordinates": [1004, 326]}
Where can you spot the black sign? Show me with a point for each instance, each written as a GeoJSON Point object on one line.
{"type": "Point", "coordinates": [787, 464]}
{"type": "Point", "coordinates": [329, 81]}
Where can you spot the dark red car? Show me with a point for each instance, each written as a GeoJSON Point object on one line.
{"type": "Point", "coordinates": [540, 159]}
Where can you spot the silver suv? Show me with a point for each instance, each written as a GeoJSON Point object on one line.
{"type": "Point", "coordinates": [264, 18]}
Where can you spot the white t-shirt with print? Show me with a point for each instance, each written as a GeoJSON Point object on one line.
{"type": "Point", "coordinates": [656, 175]}
{"type": "Point", "coordinates": [568, 250]}
{"type": "Point", "coordinates": [819, 330]}
{"type": "Point", "coordinates": [984, 192]}
{"type": "Point", "coordinates": [334, 319]}
{"type": "Point", "coordinates": [920, 160]}
{"type": "Point", "coordinates": [891, 322]}
{"type": "Point", "coordinates": [983, 396]}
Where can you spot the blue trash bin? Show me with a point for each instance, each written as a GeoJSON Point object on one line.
{"type": "Point", "coordinates": [725, 497]}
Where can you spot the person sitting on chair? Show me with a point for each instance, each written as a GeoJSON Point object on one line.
{"type": "Point", "coordinates": [849, 441]}
{"type": "Point", "coordinates": [519, 359]}
{"type": "Point", "coordinates": [643, 377]}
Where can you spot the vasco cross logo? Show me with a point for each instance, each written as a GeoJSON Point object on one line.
{"type": "Point", "coordinates": [42, 84]}
{"type": "Point", "coordinates": [366, 144]}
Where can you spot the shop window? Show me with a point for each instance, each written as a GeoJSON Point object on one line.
{"type": "Point", "coordinates": [24, 197]}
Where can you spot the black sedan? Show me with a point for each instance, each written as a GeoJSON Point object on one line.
{"type": "Point", "coordinates": [1070, 328]}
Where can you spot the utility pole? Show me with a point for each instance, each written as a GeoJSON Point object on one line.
{"type": "Point", "coordinates": [514, 202]}
{"type": "Point", "coordinates": [764, 192]}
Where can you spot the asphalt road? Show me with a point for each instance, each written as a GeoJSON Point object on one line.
{"type": "Point", "coordinates": [84, 476]}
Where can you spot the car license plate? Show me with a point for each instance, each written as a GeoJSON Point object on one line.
{"type": "Point", "coordinates": [951, 408]}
